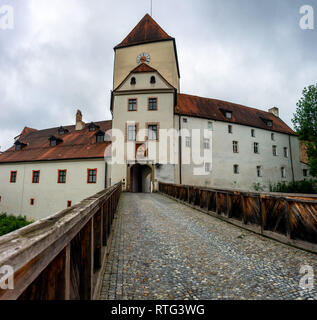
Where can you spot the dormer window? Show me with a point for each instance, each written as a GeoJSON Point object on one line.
{"type": "Point", "coordinates": [19, 145]}
{"type": "Point", "coordinates": [54, 141]}
{"type": "Point", "coordinates": [153, 80]}
{"type": "Point", "coordinates": [93, 127]}
{"type": "Point", "coordinates": [100, 136]}
{"type": "Point", "coordinates": [268, 122]}
{"type": "Point", "coordinates": [133, 81]}
{"type": "Point", "coordinates": [62, 130]}
{"type": "Point", "coordinates": [228, 115]}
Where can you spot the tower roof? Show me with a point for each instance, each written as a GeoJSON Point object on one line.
{"type": "Point", "coordinates": [147, 30]}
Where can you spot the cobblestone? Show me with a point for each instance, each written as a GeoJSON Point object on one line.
{"type": "Point", "coordinates": [164, 250]}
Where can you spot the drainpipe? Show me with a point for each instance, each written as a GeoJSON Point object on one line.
{"type": "Point", "coordinates": [106, 174]}
{"type": "Point", "coordinates": [180, 150]}
{"type": "Point", "coordinates": [291, 155]}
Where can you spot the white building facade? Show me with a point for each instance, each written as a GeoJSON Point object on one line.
{"type": "Point", "coordinates": [156, 134]}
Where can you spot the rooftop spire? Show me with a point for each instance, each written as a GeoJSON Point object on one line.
{"type": "Point", "coordinates": [147, 30]}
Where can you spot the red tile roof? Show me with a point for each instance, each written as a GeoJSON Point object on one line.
{"type": "Point", "coordinates": [76, 145]}
{"type": "Point", "coordinates": [194, 106]}
{"type": "Point", "coordinates": [143, 67]}
{"type": "Point", "coordinates": [147, 30]}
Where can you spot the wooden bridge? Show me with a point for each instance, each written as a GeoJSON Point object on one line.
{"type": "Point", "coordinates": [64, 256]}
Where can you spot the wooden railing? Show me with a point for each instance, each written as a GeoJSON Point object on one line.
{"type": "Point", "coordinates": [288, 218]}
{"type": "Point", "coordinates": [61, 257]}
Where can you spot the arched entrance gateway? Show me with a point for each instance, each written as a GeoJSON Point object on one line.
{"type": "Point", "coordinates": [140, 178]}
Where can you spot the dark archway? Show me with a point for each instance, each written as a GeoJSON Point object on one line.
{"type": "Point", "coordinates": [140, 178]}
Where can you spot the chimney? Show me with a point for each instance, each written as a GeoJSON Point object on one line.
{"type": "Point", "coordinates": [80, 125]}
{"type": "Point", "coordinates": [275, 111]}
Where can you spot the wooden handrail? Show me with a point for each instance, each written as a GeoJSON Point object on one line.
{"type": "Point", "coordinates": [288, 218]}
{"type": "Point", "coordinates": [60, 257]}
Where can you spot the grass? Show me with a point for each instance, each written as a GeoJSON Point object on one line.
{"type": "Point", "coordinates": [10, 223]}
{"type": "Point", "coordinates": [304, 187]}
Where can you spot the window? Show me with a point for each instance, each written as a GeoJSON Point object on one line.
{"type": "Point", "coordinates": [206, 144]}
{"type": "Point", "coordinates": [152, 104]}
{"type": "Point", "coordinates": [32, 202]}
{"type": "Point", "coordinates": [53, 143]}
{"type": "Point", "coordinates": [152, 132]}
{"type": "Point", "coordinates": [188, 142]}
{"type": "Point", "coordinates": [269, 123]}
{"type": "Point", "coordinates": [230, 129]}
{"type": "Point", "coordinates": [272, 136]}
{"type": "Point", "coordinates": [13, 176]}
{"type": "Point", "coordinates": [185, 120]}
{"type": "Point", "coordinates": [207, 167]}
{"type": "Point", "coordinates": [256, 147]}
{"type": "Point", "coordinates": [61, 176]}
{"type": "Point", "coordinates": [132, 133]}
{"type": "Point", "coordinates": [62, 130]}
{"type": "Point", "coordinates": [210, 125]}
{"type": "Point", "coordinates": [69, 204]}
{"type": "Point", "coordinates": [153, 80]}
{"type": "Point", "coordinates": [274, 150]}
{"type": "Point", "coordinates": [253, 133]}
{"type": "Point", "coordinates": [236, 169]}
{"type": "Point", "coordinates": [100, 136]}
{"type": "Point", "coordinates": [36, 176]}
{"type": "Point", "coordinates": [285, 152]}
{"type": "Point", "coordinates": [228, 115]}
{"type": "Point", "coordinates": [305, 172]}
{"type": "Point", "coordinates": [91, 175]}
{"type": "Point", "coordinates": [283, 172]}
{"type": "Point", "coordinates": [259, 171]}
{"type": "Point", "coordinates": [133, 81]}
{"type": "Point", "coordinates": [18, 147]}
{"type": "Point", "coordinates": [235, 145]}
{"type": "Point", "coordinates": [132, 105]}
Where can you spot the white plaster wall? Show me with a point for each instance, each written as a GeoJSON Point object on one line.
{"type": "Point", "coordinates": [50, 197]}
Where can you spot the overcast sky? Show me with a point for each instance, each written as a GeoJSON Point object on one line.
{"type": "Point", "coordinates": [59, 56]}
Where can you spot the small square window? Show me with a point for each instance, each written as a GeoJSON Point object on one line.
{"type": "Point", "coordinates": [235, 146]}
{"type": "Point", "coordinates": [283, 172]}
{"type": "Point", "coordinates": [228, 115]}
{"type": "Point", "coordinates": [210, 125]}
{"type": "Point", "coordinates": [207, 166]}
{"type": "Point", "coordinates": [305, 172]}
{"type": "Point", "coordinates": [61, 176]}
{"type": "Point", "coordinates": [152, 104]}
{"type": "Point", "coordinates": [285, 152]}
{"type": "Point", "coordinates": [152, 132]}
{"type": "Point", "coordinates": [132, 132]}
{"type": "Point", "coordinates": [100, 138]}
{"type": "Point", "coordinates": [253, 133]}
{"type": "Point", "coordinates": [272, 136]}
{"type": "Point", "coordinates": [274, 151]}
{"type": "Point", "coordinates": [230, 129]}
{"type": "Point", "coordinates": [36, 176]}
{"type": "Point", "coordinates": [259, 171]}
{"type": "Point", "coordinates": [13, 176]}
{"type": "Point", "coordinates": [92, 176]}
{"type": "Point", "coordinates": [188, 142]}
{"type": "Point", "coordinates": [256, 147]}
{"type": "Point", "coordinates": [236, 169]}
{"type": "Point", "coordinates": [32, 202]}
{"type": "Point", "coordinates": [207, 144]}
{"type": "Point", "coordinates": [185, 120]}
{"type": "Point", "coordinates": [132, 105]}
{"type": "Point", "coordinates": [69, 203]}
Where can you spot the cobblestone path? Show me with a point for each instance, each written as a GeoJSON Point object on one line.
{"type": "Point", "coordinates": [164, 250]}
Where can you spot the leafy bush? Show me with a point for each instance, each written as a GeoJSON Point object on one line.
{"type": "Point", "coordinates": [11, 223]}
{"type": "Point", "coordinates": [305, 187]}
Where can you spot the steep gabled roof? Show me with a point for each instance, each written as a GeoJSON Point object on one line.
{"type": "Point", "coordinates": [212, 109]}
{"type": "Point", "coordinates": [147, 30]}
{"type": "Point", "coordinates": [76, 145]}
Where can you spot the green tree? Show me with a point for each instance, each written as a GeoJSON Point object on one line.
{"type": "Point", "coordinates": [305, 123]}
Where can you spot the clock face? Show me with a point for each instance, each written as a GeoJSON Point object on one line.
{"type": "Point", "coordinates": [143, 58]}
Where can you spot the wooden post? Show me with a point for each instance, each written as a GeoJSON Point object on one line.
{"type": "Point", "coordinates": [244, 209]}
{"type": "Point", "coordinates": [67, 272]}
